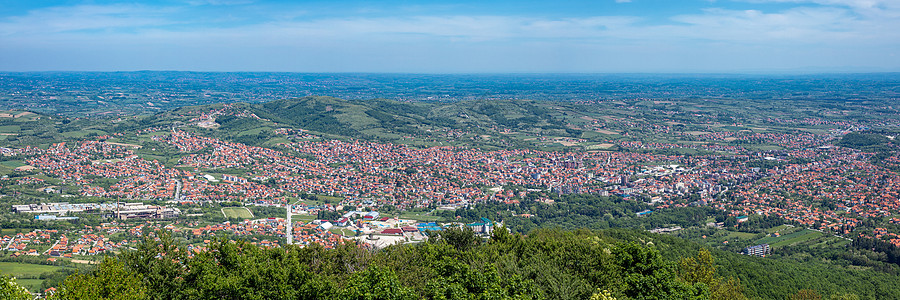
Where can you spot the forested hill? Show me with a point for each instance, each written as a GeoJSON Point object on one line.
{"type": "Point", "coordinates": [456, 264]}
{"type": "Point", "coordinates": [389, 120]}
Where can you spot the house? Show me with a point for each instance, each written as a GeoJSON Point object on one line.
{"type": "Point", "coordinates": [484, 227]}
{"type": "Point", "coordinates": [372, 215]}
{"type": "Point", "coordinates": [326, 225]}
{"type": "Point", "coordinates": [758, 250]}
{"type": "Point", "coordinates": [396, 231]}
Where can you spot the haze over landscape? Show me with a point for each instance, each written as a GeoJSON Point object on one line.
{"type": "Point", "coordinates": [806, 36]}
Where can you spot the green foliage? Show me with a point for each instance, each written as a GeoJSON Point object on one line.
{"type": "Point", "coordinates": [388, 120]}
{"type": "Point", "coordinates": [234, 123]}
{"type": "Point", "coordinates": [462, 239]}
{"type": "Point", "coordinates": [161, 265]}
{"type": "Point", "coordinates": [262, 212]}
{"type": "Point", "coordinates": [862, 140]}
{"type": "Point", "coordinates": [545, 264]}
{"type": "Point", "coordinates": [869, 142]}
{"type": "Point", "coordinates": [456, 280]}
{"type": "Point", "coordinates": [701, 270]}
{"type": "Point", "coordinates": [375, 283]}
{"type": "Point", "coordinates": [845, 297]}
{"type": "Point", "coordinates": [237, 270]}
{"type": "Point", "coordinates": [806, 295]}
{"type": "Point", "coordinates": [647, 276]}
{"type": "Point", "coordinates": [311, 113]}
{"type": "Point", "coordinates": [583, 211]}
{"type": "Point", "coordinates": [602, 295]}
{"type": "Point", "coordinates": [11, 290]}
{"type": "Point", "coordinates": [111, 280]}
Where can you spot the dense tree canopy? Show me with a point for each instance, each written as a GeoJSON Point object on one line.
{"type": "Point", "coordinates": [544, 265]}
{"type": "Point", "coordinates": [457, 264]}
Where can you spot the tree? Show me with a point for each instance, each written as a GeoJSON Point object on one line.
{"type": "Point", "coordinates": [239, 270]}
{"type": "Point", "coordinates": [806, 294]}
{"type": "Point", "coordinates": [160, 263]}
{"type": "Point", "coordinates": [699, 269]}
{"type": "Point", "coordinates": [602, 295]}
{"type": "Point", "coordinates": [375, 283]}
{"type": "Point", "coordinates": [11, 290]}
{"type": "Point", "coordinates": [702, 270]}
{"type": "Point", "coordinates": [845, 297]}
{"type": "Point", "coordinates": [110, 280]}
{"type": "Point", "coordinates": [456, 280]}
{"type": "Point", "coordinates": [462, 239]}
{"type": "Point", "coordinates": [648, 276]}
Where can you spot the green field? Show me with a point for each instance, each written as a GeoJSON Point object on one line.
{"type": "Point", "coordinates": [740, 235]}
{"type": "Point", "coordinates": [343, 231]}
{"type": "Point", "coordinates": [30, 272]}
{"type": "Point", "coordinates": [796, 237]}
{"type": "Point", "coordinates": [10, 128]}
{"type": "Point", "coordinates": [12, 163]}
{"type": "Point", "coordinates": [25, 269]}
{"type": "Point", "coordinates": [7, 167]}
{"type": "Point", "coordinates": [319, 200]}
{"type": "Point", "coordinates": [82, 133]}
{"type": "Point", "coordinates": [237, 212]}
{"type": "Point", "coordinates": [307, 202]}
{"type": "Point", "coordinates": [778, 228]}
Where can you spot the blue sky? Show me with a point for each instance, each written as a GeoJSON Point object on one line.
{"type": "Point", "coordinates": [603, 36]}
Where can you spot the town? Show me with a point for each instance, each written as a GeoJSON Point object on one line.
{"type": "Point", "coordinates": [370, 176]}
{"type": "Point", "coordinates": [238, 172]}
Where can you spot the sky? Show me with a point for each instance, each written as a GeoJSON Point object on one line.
{"type": "Point", "coordinates": [459, 36]}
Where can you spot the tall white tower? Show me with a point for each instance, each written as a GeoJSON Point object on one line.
{"type": "Point", "coordinates": [290, 226]}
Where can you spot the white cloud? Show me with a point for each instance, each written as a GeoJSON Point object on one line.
{"type": "Point", "coordinates": [85, 17]}
{"type": "Point", "coordinates": [866, 8]}
{"type": "Point", "coordinates": [855, 29]}
{"type": "Point", "coordinates": [799, 25]}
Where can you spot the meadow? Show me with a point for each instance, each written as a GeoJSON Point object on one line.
{"type": "Point", "coordinates": [237, 212]}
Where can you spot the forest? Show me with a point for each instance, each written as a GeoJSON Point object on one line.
{"type": "Point", "coordinates": [457, 264]}
{"type": "Point", "coordinates": [583, 211]}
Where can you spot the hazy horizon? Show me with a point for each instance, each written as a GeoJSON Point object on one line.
{"type": "Point", "coordinates": [453, 37]}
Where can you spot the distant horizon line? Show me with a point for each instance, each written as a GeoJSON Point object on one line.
{"type": "Point", "coordinates": [752, 73]}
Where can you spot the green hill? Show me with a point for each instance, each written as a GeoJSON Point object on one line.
{"type": "Point", "coordinates": [388, 120]}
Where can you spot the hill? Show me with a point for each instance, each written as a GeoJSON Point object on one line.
{"type": "Point", "coordinates": [394, 121]}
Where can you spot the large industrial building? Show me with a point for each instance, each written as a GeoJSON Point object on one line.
{"type": "Point", "coordinates": [120, 210]}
